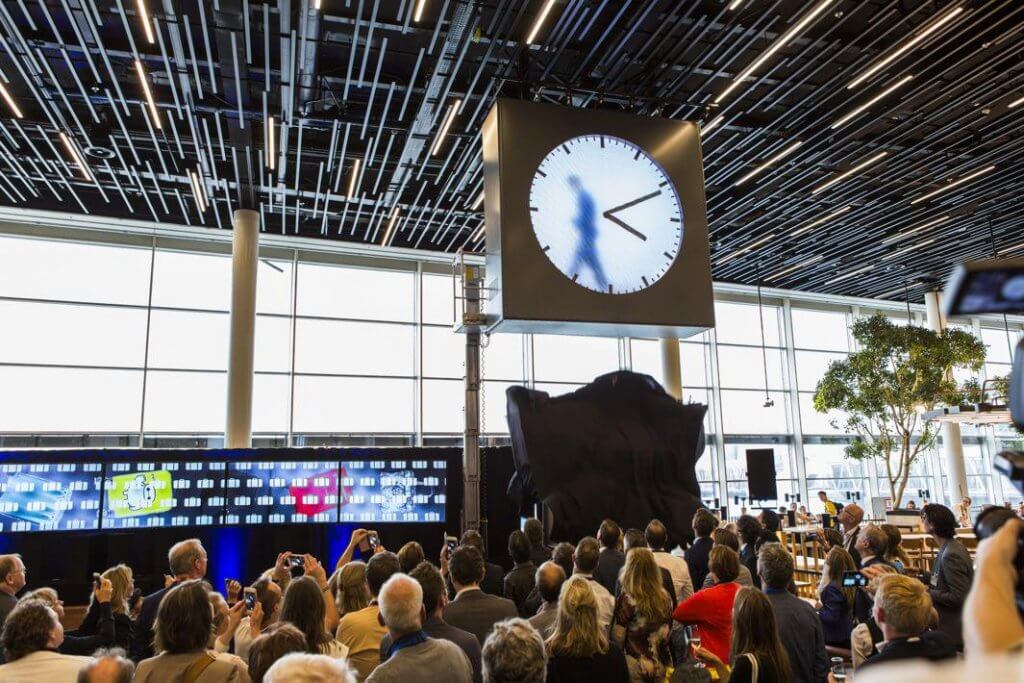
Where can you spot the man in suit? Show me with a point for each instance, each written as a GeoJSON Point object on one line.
{"type": "Point", "coordinates": [611, 561]}
{"type": "Point", "coordinates": [519, 581]}
{"type": "Point", "coordinates": [494, 576]}
{"type": "Point", "coordinates": [539, 551]}
{"type": "Point", "coordinates": [850, 518]}
{"type": "Point", "coordinates": [704, 523]}
{"type": "Point", "coordinates": [473, 610]}
{"type": "Point", "coordinates": [952, 572]}
{"type": "Point", "coordinates": [550, 578]}
{"type": "Point", "coordinates": [903, 611]}
{"type": "Point", "coordinates": [871, 545]}
{"type": "Point", "coordinates": [187, 560]}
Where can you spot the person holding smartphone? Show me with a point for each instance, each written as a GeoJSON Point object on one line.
{"type": "Point", "coordinates": [836, 600]}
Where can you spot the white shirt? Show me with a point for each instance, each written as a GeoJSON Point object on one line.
{"type": "Point", "coordinates": [605, 601]}
{"type": "Point", "coordinates": [44, 665]}
{"type": "Point", "coordinates": [678, 570]}
{"type": "Point", "coordinates": [243, 638]}
{"type": "Point", "coordinates": [983, 668]}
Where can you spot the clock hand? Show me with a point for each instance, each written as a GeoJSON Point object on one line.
{"type": "Point", "coordinates": [625, 227]}
{"type": "Point", "coordinates": [620, 207]}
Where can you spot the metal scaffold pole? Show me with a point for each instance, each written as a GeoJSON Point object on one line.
{"type": "Point", "coordinates": [471, 437]}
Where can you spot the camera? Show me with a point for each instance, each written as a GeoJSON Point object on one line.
{"type": "Point", "coordinates": [854, 579]}
{"type": "Point", "coordinates": [296, 561]}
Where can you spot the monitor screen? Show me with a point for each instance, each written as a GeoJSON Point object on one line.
{"type": "Point", "coordinates": [49, 496]}
{"type": "Point", "coordinates": [287, 492]}
{"type": "Point", "coordinates": [163, 494]}
{"type": "Point", "coordinates": [393, 490]}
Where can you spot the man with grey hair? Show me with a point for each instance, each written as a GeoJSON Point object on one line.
{"type": "Point", "coordinates": [514, 653]}
{"type": "Point", "coordinates": [108, 666]}
{"type": "Point", "coordinates": [12, 580]}
{"type": "Point", "coordinates": [799, 626]}
{"type": "Point", "coordinates": [585, 559]}
{"type": "Point", "coordinates": [412, 654]}
{"type": "Point", "coordinates": [187, 560]}
{"type": "Point", "coordinates": [300, 667]}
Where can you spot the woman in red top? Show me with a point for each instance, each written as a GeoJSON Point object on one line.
{"type": "Point", "coordinates": [710, 609]}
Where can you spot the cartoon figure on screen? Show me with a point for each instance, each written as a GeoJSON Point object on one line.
{"type": "Point", "coordinates": [139, 493]}
{"type": "Point", "coordinates": [586, 223]}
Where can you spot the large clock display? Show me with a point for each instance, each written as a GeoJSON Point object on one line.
{"type": "Point", "coordinates": [606, 214]}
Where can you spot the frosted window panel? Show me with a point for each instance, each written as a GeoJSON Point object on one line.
{"type": "Point", "coordinates": [646, 359]}
{"type": "Point", "coordinates": [274, 286]}
{"type": "Point", "coordinates": [270, 394]}
{"type": "Point", "coordinates": [74, 335]}
{"type": "Point", "coordinates": [813, 422]}
{"type": "Point", "coordinates": [694, 364]}
{"type": "Point", "coordinates": [557, 389]}
{"type": "Point", "coordinates": [186, 401]}
{"type": "Point", "coordinates": [438, 299]}
{"type": "Point", "coordinates": [811, 366]}
{"type": "Point", "coordinates": [502, 357]}
{"type": "Point", "coordinates": [186, 280]}
{"type": "Point", "coordinates": [188, 340]}
{"type": "Point", "coordinates": [353, 405]}
{"type": "Point", "coordinates": [69, 400]}
{"type": "Point", "coordinates": [328, 346]}
{"type": "Point", "coordinates": [493, 407]}
{"type": "Point", "coordinates": [444, 352]}
{"type": "Point", "coordinates": [743, 412]}
{"type": "Point", "coordinates": [443, 406]}
{"type": "Point", "coordinates": [829, 461]}
{"type": "Point", "coordinates": [359, 293]}
{"type": "Point", "coordinates": [273, 343]}
{"type": "Point", "coordinates": [819, 330]}
{"type": "Point", "coordinates": [743, 368]}
{"type": "Point", "coordinates": [979, 488]}
{"type": "Point", "coordinates": [707, 469]}
{"type": "Point", "coordinates": [996, 349]}
{"type": "Point", "coordinates": [40, 269]}
{"type": "Point", "coordinates": [737, 324]}
{"type": "Point", "coordinates": [573, 359]}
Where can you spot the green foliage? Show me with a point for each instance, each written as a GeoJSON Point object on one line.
{"type": "Point", "coordinates": [899, 372]}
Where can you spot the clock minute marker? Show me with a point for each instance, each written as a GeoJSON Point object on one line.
{"type": "Point", "coordinates": [646, 283]}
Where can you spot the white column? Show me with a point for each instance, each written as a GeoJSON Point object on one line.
{"type": "Point", "coordinates": [952, 446]}
{"type": "Point", "coordinates": [671, 368]}
{"type": "Point", "coordinates": [241, 342]}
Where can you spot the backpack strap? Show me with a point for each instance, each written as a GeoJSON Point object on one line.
{"type": "Point", "coordinates": [753, 666]}
{"type": "Point", "coordinates": [196, 669]}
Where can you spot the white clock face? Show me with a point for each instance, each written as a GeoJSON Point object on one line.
{"type": "Point", "coordinates": [606, 214]}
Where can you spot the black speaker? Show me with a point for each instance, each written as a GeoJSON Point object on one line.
{"type": "Point", "coordinates": [761, 474]}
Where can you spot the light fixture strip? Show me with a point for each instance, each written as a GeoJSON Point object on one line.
{"type": "Point", "coordinates": [914, 231]}
{"type": "Point", "coordinates": [846, 174]}
{"type": "Point", "coordinates": [885, 61]}
{"type": "Point", "coordinates": [271, 146]}
{"type": "Point", "coordinates": [149, 95]}
{"type": "Point", "coordinates": [850, 274]}
{"type": "Point", "coordinates": [448, 119]}
{"type": "Point", "coordinates": [950, 186]}
{"type": "Point", "coordinates": [744, 250]}
{"type": "Point", "coordinates": [76, 156]}
{"type": "Point", "coordinates": [391, 226]}
{"type": "Point", "coordinates": [714, 122]}
{"type": "Point", "coordinates": [781, 155]}
{"type": "Point", "coordinates": [475, 237]}
{"type": "Point", "coordinates": [1016, 103]}
{"type": "Point", "coordinates": [904, 250]}
{"type": "Point", "coordinates": [539, 21]}
{"type": "Point", "coordinates": [873, 101]}
{"type": "Point", "coordinates": [775, 47]}
{"type": "Point", "coordinates": [824, 219]}
{"type": "Point", "coordinates": [10, 101]}
{"type": "Point", "coordinates": [1015, 247]}
{"type": "Point", "coordinates": [420, 6]}
{"type": "Point", "coordinates": [353, 179]}
{"type": "Point", "coordinates": [479, 202]}
{"type": "Point", "coordinates": [790, 269]}
{"type": "Point", "coordinates": [734, 5]}
{"type": "Point", "coordinates": [147, 23]}
{"type": "Point", "coordinates": [197, 192]}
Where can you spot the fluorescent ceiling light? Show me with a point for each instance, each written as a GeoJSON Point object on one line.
{"type": "Point", "coordinates": [271, 153]}
{"type": "Point", "coordinates": [76, 156]}
{"type": "Point", "coordinates": [843, 176]}
{"type": "Point", "coordinates": [539, 21]}
{"type": "Point", "coordinates": [734, 4]}
{"type": "Point", "coordinates": [824, 219]}
{"type": "Point", "coordinates": [1013, 248]}
{"type": "Point", "coordinates": [745, 249]}
{"type": "Point", "coordinates": [850, 274]}
{"type": "Point", "coordinates": [479, 202]}
{"type": "Point", "coordinates": [873, 101]}
{"type": "Point", "coordinates": [896, 54]}
{"type": "Point", "coordinates": [197, 190]}
{"type": "Point", "coordinates": [1016, 102]}
{"type": "Point", "coordinates": [10, 101]}
{"type": "Point", "coordinates": [149, 95]}
{"type": "Point", "coordinates": [420, 6]}
{"type": "Point", "coordinates": [768, 163]}
{"type": "Point", "coordinates": [448, 119]}
{"type": "Point", "coordinates": [913, 231]}
{"type": "Point", "coordinates": [714, 122]}
{"type": "Point", "coordinates": [353, 179]}
{"type": "Point", "coordinates": [391, 226]}
{"type": "Point", "coordinates": [776, 46]}
{"type": "Point", "coordinates": [904, 250]}
{"type": "Point", "coordinates": [475, 237]}
{"type": "Point", "coordinates": [147, 24]}
{"type": "Point", "coordinates": [950, 186]}
{"type": "Point", "coordinates": [813, 259]}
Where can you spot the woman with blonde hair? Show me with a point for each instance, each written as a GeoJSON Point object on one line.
{"type": "Point", "coordinates": [756, 653]}
{"type": "Point", "coordinates": [894, 552]}
{"type": "Point", "coordinates": [578, 648]}
{"type": "Point", "coordinates": [348, 585]}
{"type": "Point", "coordinates": [835, 607]}
{"type": "Point", "coordinates": [643, 618]}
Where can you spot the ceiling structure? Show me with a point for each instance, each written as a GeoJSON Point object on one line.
{"type": "Point", "coordinates": [855, 147]}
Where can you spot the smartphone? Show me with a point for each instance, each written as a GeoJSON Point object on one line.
{"type": "Point", "coordinates": [854, 580]}
{"type": "Point", "coordinates": [450, 543]}
{"type": "Point", "coordinates": [250, 599]}
{"type": "Point", "coordinates": [373, 540]}
{"type": "Point", "coordinates": [97, 580]}
{"type": "Point", "coordinates": [297, 560]}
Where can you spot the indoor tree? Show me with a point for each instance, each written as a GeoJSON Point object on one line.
{"type": "Point", "coordinates": [897, 373]}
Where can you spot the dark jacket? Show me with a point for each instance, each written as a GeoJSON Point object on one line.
{"type": "Point", "coordinates": [802, 636]}
{"type": "Point", "coordinates": [437, 628]}
{"type": "Point", "coordinates": [836, 617]}
{"type": "Point", "coordinates": [476, 612]}
{"type": "Point", "coordinates": [697, 556]}
{"type": "Point", "coordinates": [862, 602]}
{"type": "Point", "coordinates": [851, 545]}
{"type": "Point", "coordinates": [539, 554]}
{"type": "Point", "coordinates": [951, 579]}
{"type": "Point", "coordinates": [124, 627]}
{"type": "Point", "coordinates": [101, 634]}
{"type": "Point", "coordinates": [518, 584]}
{"type": "Point", "coordinates": [609, 667]}
{"type": "Point", "coordinates": [609, 564]}
{"type": "Point", "coordinates": [494, 579]}
{"type": "Point", "coordinates": [933, 646]}
{"type": "Point", "coordinates": [142, 641]}
{"type": "Point", "coordinates": [748, 558]}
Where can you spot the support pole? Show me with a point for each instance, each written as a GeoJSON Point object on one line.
{"type": "Point", "coordinates": [241, 342]}
{"type": "Point", "coordinates": [471, 437]}
{"type": "Point", "coordinates": [952, 446]}
{"type": "Point", "coordinates": [671, 368]}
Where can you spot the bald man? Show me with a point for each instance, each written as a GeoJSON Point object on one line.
{"type": "Point", "coordinates": [850, 518]}
{"type": "Point", "coordinates": [550, 578]}
{"type": "Point", "coordinates": [108, 666]}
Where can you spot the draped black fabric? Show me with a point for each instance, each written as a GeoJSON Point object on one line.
{"type": "Point", "coordinates": [619, 448]}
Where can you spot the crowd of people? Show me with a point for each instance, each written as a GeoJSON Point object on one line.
{"type": "Point", "coordinates": [621, 606]}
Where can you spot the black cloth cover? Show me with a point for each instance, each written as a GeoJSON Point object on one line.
{"type": "Point", "coordinates": [619, 448]}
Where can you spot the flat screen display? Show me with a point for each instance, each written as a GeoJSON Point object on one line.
{"type": "Point", "coordinates": [163, 494]}
{"type": "Point", "coordinates": [282, 492]}
{"type": "Point", "coordinates": [393, 490]}
{"type": "Point", "coordinates": [50, 496]}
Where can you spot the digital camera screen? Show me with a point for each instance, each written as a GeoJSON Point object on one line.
{"type": "Point", "coordinates": [49, 496]}
{"type": "Point", "coordinates": [393, 491]}
{"type": "Point", "coordinates": [149, 495]}
{"type": "Point", "coordinates": [282, 492]}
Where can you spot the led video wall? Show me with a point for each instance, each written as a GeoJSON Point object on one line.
{"type": "Point", "coordinates": [94, 489]}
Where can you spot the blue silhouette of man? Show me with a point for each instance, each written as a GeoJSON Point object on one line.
{"type": "Point", "coordinates": [586, 223]}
